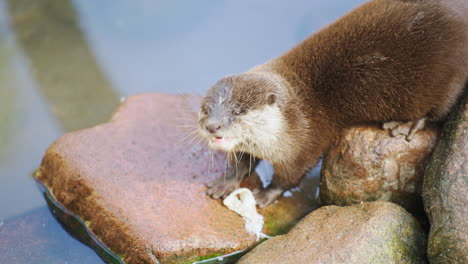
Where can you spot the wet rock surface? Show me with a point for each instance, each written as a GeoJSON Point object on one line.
{"type": "Point", "coordinates": [445, 191]}
{"type": "Point", "coordinates": [138, 182]}
{"type": "Point", "coordinates": [377, 232]}
{"type": "Point", "coordinates": [367, 164]}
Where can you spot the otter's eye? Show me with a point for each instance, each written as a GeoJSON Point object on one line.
{"type": "Point", "coordinates": [237, 112]}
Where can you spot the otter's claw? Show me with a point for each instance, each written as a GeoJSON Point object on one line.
{"type": "Point", "coordinates": [407, 129]}
{"type": "Point", "coordinates": [222, 187]}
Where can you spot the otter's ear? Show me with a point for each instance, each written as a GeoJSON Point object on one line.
{"type": "Point", "coordinates": [271, 98]}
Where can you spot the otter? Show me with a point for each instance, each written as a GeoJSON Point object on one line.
{"type": "Point", "coordinates": [396, 62]}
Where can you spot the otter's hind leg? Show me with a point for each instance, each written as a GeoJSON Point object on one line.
{"type": "Point", "coordinates": [267, 196]}
{"type": "Point", "coordinates": [284, 178]}
{"type": "Point", "coordinates": [408, 129]}
{"type": "Point", "coordinates": [242, 166]}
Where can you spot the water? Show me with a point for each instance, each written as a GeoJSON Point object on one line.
{"type": "Point", "coordinates": [64, 65]}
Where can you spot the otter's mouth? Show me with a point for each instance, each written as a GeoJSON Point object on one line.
{"type": "Point", "coordinates": [219, 140]}
{"type": "Point", "coordinates": [222, 143]}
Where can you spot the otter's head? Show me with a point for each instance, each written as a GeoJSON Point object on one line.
{"type": "Point", "coordinates": [241, 112]}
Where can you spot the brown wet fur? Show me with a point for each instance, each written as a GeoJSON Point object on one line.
{"type": "Point", "coordinates": [387, 60]}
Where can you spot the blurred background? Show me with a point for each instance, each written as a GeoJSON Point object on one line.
{"type": "Point", "coordinates": [65, 65]}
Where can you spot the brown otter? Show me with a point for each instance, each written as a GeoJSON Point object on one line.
{"type": "Point", "coordinates": [391, 61]}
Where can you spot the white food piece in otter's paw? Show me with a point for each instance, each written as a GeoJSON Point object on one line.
{"type": "Point", "coordinates": [243, 202]}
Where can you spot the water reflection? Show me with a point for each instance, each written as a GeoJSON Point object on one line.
{"type": "Point", "coordinates": [36, 237]}
{"type": "Point", "coordinates": [8, 98]}
{"type": "Point", "coordinates": [26, 127]}
{"type": "Point", "coordinates": [66, 71]}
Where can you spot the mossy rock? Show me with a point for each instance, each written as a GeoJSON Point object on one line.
{"type": "Point", "coordinates": [445, 191]}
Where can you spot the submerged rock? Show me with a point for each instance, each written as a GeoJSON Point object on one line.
{"type": "Point", "coordinates": [377, 232]}
{"type": "Point", "coordinates": [445, 191]}
{"type": "Point", "coordinates": [367, 164]}
{"type": "Point", "coordinates": [138, 182]}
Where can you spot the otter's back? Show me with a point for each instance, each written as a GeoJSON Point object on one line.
{"type": "Point", "coordinates": [386, 60]}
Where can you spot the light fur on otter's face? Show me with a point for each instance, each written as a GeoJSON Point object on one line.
{"type": "Point", "coordinates": [241, 113]}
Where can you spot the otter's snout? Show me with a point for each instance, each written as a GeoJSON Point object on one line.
{"type": "Point", "coordinates": [213, 127]}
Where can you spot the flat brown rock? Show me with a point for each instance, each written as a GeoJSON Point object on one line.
{"type": "Point", "coordinates": [377, 232]}
{"type": "Point", "coordinates": [138, 182]}
{"type": "Point", "coordinates": [367, 164]}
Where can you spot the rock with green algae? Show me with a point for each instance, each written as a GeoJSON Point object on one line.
{"type": "Point", "coordinates": [445, 191]}
{"type": "Point", "coordinates": [138, 181]}
{"type": "Point", "coordinates": [377, 232]}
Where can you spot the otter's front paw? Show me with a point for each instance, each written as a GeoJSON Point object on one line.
{"type": "Point", "coordinates": [407, 129]}
{"type": "Point", "coordinates": [222, 187]}
{"type": "Point", "coordinates": [267, 196]}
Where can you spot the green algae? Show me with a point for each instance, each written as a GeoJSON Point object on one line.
{"type": "Point", "coordinates": [278, 227]}
{"type": "Point", "coordinates": [213, 256]}
{"type": "Point", "coordinates": [276, 224]}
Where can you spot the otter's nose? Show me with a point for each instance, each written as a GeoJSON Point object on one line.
{"type": "Point", "coordinates": [213, 127]}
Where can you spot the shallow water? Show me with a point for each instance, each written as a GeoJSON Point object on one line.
{"type": "Point", "coordinates": [65, 64]}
